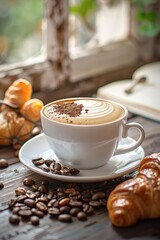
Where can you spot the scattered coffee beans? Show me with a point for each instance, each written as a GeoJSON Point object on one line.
{"type": "Point", "coordinates": [63, 204]}
{"type": "Point", "coordinates": [54, 167]}
{"type": "Point", "coordinates": [3, 163]}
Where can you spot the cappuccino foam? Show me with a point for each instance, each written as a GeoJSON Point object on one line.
{"type": "Point", "coordinates": [83, 111]}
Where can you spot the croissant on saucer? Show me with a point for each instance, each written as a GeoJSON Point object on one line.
{"type": "Point", "coordinates": [137, 198]}
{"type": "Point", "coordinates": [16, 125]}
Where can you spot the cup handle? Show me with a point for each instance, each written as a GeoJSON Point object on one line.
{"type": "Point", "coordinates": [125, 134]}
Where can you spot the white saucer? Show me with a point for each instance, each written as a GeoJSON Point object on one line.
{"type": "Point", "coordinates": [117, 166]}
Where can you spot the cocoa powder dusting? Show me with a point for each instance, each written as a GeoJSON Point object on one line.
{"type": "Point", "coordinates": [72, 109]}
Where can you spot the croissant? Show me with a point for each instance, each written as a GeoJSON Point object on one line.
{"type": "Point", "coordinates": [14, 127]}
{"type": "Point", "coordinates": [31, 109]}
{"type": "Point", "coordinates": [137, 198]}
{"type": "Point", "coordinates": [19, 92]}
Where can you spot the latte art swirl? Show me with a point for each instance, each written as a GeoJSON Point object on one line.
{"type": "Point", "coordinates": [83, 111]}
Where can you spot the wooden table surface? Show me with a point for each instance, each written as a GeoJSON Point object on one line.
{"type": "Point", "coordinates": [97, 226]}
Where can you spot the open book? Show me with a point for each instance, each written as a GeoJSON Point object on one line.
{"type": "Point", "coordinates": [144, 99]}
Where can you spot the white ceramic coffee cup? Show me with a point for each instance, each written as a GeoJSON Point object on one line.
{"type": "Point", "coordinates": [88, 146]}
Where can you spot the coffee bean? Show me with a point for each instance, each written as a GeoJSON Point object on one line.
{"type": "Point", "coordinates": [86, 199]}
{"type": "Point", "coordinates": [15, 210]}
{"type": "Point", "coordinates": [43, 189]}
{"type": "Point", "coordinates": [64, 202]}
{"type": "Point", "coordinates": [3, 163]}
{"type": "Point", "coordinates": [75, 195]}
{"type": "Point", "coordinates": [69, 190]}
{"type": "Point", "coordinates": [17, 204]}
{"type": "Point", "coordinates": [65, 218]}
{"type": "Point", "coordinates": [28, 182]}
{"type": "Point", "coordinates": [25, 208]}
{"type": "Point", "coordinates": [64, 209]}
{"type": "Point", "coordinates": [41, 206]}
{"type": "Point", "coordinates": [98, 195]}
{"type": "Point", "coordinates": [86, 196]}
{"type": "Point", "coordinates": [61, 195]}
{"type": "Point", "coordinates": [30, 202]}
{"type": "Point", "coordinates": [34, 220]}
{"type": "Point", "coordinates": [86, 193]}
{"type": "Point", "coordinates": [30, 194]}
{"type": "Point", "coordinates": [44, 167]}
{"type": "Point", "coordinates": [43, 199]}
{"type": "Point", "coordinates": [1, 185]}
{"type": "Point", "coordinates": [38, 213]}
{"type": "Point", "coordinates": [95, 203]}
{"type": "Point", "coordinates": [35, 187]}
{"type": "Point", "coordinates": [14, 219]}
{"type": "Point", "coordinates": [65, 171]}
{"type": "Point", "coordinates": [54, 211]}
{"type": "Point", "coordinates": [52, 202]}
{"type": "Point", "coordinates": [88, 209]}
{"type": "Point", "coordinates": [21, 198]}
{"type": "Point", "coordinates": [57, 166]}
{"type": "Point", "coordinates": [20, 191]}
{"type": "Point", "coordinates": [38, 161]}
{"type": "Point", "coordinates": [75, 211]}
{"type": "Point", "coordinates": [82, 216]}
{"type": "Point", "coordinates": [51, 194]}
{"type": "Point", "coordinates": [74, 171]}
{"type": "Point", "coordinates": [48, 162]}
{"type": "Point", "coordinates": [25, 213]}
{"type": "Point", "coordinates": [52, 166]}
{"type": "Point", "coordinates": [75, 203]}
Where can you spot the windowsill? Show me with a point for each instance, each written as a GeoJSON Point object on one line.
{"type": "Point", "coordinates": [108, 58]}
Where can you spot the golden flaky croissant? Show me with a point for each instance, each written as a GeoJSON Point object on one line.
{"type": "Point", "coordinates": [16, 125]}
{"type": "Point", "coordinates": [19, 92]}
{"type": "Point", "coordinates": [137, 198]}
{"type": "Point", "coordinates": [14, 128]}
{"type": "Point", "coordinates": [31, 109]}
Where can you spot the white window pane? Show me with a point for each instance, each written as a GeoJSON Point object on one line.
{"type": "Point", "coordinates": [106, 23]}
{"type": "Point", "coordinates": [20, 30]}
{"type": "Point", "coordinates": [112, 22]}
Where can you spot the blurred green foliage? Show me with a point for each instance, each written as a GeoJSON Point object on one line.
{"type": "Point", "coordinates": [18, 19]}
{"type": "Point", "coordinates": [84, 9]}
{"type": "Point", "coordinates": [146, 17]}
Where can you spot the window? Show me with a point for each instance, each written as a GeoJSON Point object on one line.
{"type": "Point", "coordinates": [105, 46]}
{"type": "Point", "coordinates": [107, 42]}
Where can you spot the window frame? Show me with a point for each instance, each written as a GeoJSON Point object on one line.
{"type": "Point", "coordinates": [55, 68]}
